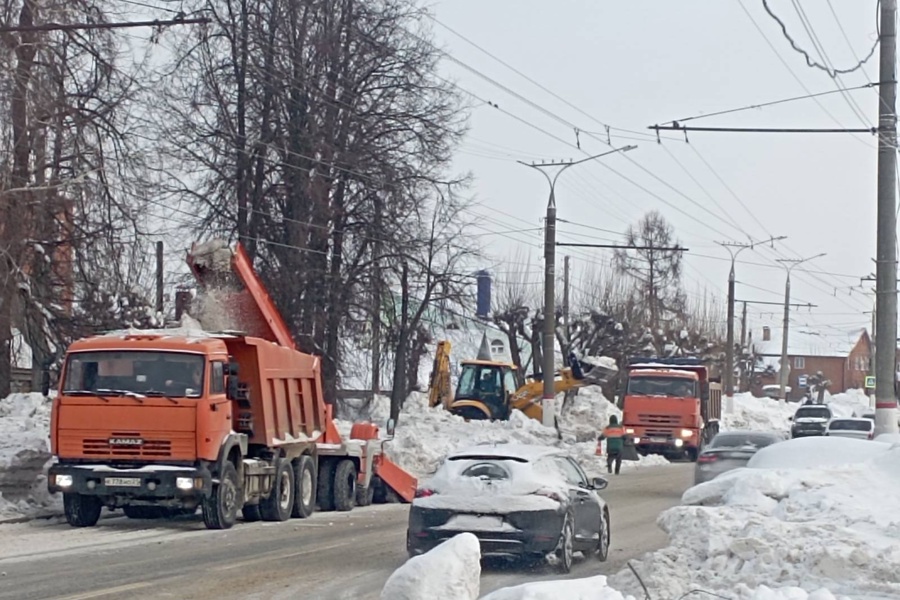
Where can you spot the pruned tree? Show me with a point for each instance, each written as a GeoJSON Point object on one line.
{"type": "Point", "coordinates": [655, 266]}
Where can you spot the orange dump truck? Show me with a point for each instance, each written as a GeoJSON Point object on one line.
{"type": "Point", "coordinates": [159, 423]}
{"type": "Point", "coordinates": [670, 406]}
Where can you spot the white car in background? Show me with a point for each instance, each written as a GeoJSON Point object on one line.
{"type": "Point", "coordinates": [852, 427]}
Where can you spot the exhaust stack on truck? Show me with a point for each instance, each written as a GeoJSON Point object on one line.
{"type": "Point", "coordinates": [161, 422]}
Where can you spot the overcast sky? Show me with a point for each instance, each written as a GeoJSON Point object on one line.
{"type": "Point", "coordinates": [632, 64]}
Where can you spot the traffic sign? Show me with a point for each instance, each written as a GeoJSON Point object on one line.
{"type": "Point", "coordinates": [870, 382]}
{"type": "Point", "coordinates": [801, 381]}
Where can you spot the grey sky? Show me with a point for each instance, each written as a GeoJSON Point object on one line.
{"type": "Point", "coordinates": [633, 64]}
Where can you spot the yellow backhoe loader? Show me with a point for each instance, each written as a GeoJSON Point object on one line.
{"type": "Point", "coordinates": [487, 388]}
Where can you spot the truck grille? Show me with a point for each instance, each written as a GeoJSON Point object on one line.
{"type": "Point", "coordinates": [658, 433]}
{"type": "Point", "coordinates": [659, 419]}
{"type": "Point", "coordinates": [149, 448]}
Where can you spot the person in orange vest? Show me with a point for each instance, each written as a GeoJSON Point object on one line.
{"type": "Point", "coordinates": [614, 435]}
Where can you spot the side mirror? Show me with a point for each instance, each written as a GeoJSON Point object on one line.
{"type": "Point", "coordinates": [232, 369]}
{"type": "Point", "coordinates": [231, 387]}
{"type": "Point", "coordinates": [391, 425]}
{"type": "Point", "coordinates": [45, 382]}
{"type": "Point", "coordinates": [598, 483]}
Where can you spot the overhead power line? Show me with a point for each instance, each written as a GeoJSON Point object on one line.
{"type": "Point", "coordinates": [832, 72]}
{"type": "Point", "coordinates": [87, 26]}
{"type": "Point", "coordinates": [679, 127]}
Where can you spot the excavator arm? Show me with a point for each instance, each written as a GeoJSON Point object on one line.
{"type": "Point", "coordinates": [528, 397]}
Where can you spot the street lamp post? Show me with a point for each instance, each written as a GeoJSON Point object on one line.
{"type": "Point", "coordinates": [549, 334]}
{"type": "Point", "coordinates": [789, 264]}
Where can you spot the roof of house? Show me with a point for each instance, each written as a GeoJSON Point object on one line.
{"type": "Point", "coordinates": [805, 341]}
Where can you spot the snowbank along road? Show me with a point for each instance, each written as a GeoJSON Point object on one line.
{"type": "Point", "coordinates": [331, 556]}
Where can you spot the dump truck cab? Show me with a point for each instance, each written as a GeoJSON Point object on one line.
{"type": "Point", "coordinates": [670, 406]}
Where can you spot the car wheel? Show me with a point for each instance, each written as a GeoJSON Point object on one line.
{"type": "Point", "coordinates": [605, 536]}
{"type": "Point", "coordinates": [566, 551]}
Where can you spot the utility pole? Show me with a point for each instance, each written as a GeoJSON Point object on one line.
{"type": "Point", "coordinates": [886, 266]}
{"type": "Point", "coordinates": [566, 328]}
{"type": "Point", "coordinates": [742, 385]}
{"type": "Point", "coordinates": [159, 279]}
{"type": "Point", "coordinates": [789, 264]}
{"type": "Point", "coordinates": [734, 249]}
{"type": "Point", "coordinates": [549, 333]}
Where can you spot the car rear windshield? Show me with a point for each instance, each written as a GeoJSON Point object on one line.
{"type": "Point", "coordinates": [851, 425]}
{"type": "Point", "coordinates": [487, 470]}
{"type": "Point", "coordinates": [813, 412]}
{"type": "Point", "coordinates": [732, 440]}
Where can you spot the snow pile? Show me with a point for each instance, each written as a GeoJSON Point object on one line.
{"type": "Point", "coordinates": [757, 414]}
{"type": "Point", "coordinates": [590, 588]}
{"type": "Point", "coordinates": [450, 571]}
{"type": "Point", "coordinates": [214, 255]}
{"type": "Point", "coordinates": [832, 527]}
{"type": "Point", "coordinates": [852, 403]}
{"type": "Point", "coordinates": [425, 435]}
{"type": "Point", "coordinates": [24, 452]}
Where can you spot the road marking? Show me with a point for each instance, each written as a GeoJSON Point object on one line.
{"type": "Point", "coordinates": [277, 556]}
{"type": "Point", "coordinates": [108, 591]}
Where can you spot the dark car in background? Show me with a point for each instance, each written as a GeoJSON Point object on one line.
{"type": "Point", "coordinates": [731, 450]}
{"type": "Point", "coordinates": [519, 501]}
{"type": "Point", "coordinates": [810, 419]}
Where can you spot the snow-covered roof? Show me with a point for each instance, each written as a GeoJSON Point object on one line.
{"type": "Point", "coordinates": [805, 341]}
{"type": "Point", "coordinates": [520, 451]}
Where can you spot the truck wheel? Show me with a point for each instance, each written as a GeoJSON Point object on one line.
{"type": "Point", "coordinates": [251, 513]}
{"type": "Point", "coordinates": [82, 511]}
{"type": "Point", "coordinates": [345, 485]}
{"type": "Point", "coordinates": [305, 483]}
{"type": "Point", "coordinates": [325, 485]}
{"type": "Point", "coordinates": [220, 508]}
{"type": "Point", "coordinates": [365, 494]}
{"type": "Point", "coordinates": [692, 454]}
{"type": "Point", "coordinates": [280, 503]}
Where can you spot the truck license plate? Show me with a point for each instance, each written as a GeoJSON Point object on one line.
{"type": "Point", "coordinates": [122, 481]}
{"type": "Point", "coordinates": [658, 440]}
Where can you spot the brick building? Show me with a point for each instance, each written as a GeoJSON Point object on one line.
{"type": "Point", "coordinates": [843, 358]}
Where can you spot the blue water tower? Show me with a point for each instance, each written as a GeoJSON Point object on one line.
{"type": "Point", "coordinates": [483, 299]}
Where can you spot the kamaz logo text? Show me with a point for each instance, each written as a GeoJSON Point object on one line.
{"type": "Point", "coordinates": [126, 442]}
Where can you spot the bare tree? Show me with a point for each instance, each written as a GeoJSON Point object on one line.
{"type": "Point", "coordinates": [311, 131]}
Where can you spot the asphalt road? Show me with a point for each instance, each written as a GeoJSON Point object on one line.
{"type": "Point", "coordinates": [331, 556]}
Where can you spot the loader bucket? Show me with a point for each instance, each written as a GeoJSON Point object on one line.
{"type": "Point", "coordinates": [590, 374]}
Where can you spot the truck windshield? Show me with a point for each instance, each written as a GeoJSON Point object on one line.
{"type": "Point", "coordinates": [173, 374]}
{"type": "Point", "coordinates": [676, 387]}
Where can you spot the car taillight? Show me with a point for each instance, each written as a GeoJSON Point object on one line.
{"type": "Point", "coordinates": [552, 494]}
{"type": "Point", "coordinates": [707, 458]}
{"type": "Point", "coordinates": [424, 493]}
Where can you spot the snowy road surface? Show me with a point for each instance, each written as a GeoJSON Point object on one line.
{"type": "Point", "coordinates": [332, 556]}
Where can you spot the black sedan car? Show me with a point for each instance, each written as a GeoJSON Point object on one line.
{"type": "Point", "coordinates": [519, 501]}
{"type": "Point", "coordinates": [731, 450]}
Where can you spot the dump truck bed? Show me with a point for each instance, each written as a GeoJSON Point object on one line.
{"type": "Point", "coordinates": [284, 393]}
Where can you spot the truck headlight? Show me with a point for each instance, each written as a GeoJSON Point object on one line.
{"type": "Point", "coordinates": [629, 431]}
{"type": "Point", "coordinates": [686, 433]}
{"type": "Point", "coordinates": [637, 440]}
{"type": "Point", "coordinates": [184, 483]}
{"type": "Point", "coordinates": [679, 443]}
{"type": "Point", "coordinates": [64, 481]}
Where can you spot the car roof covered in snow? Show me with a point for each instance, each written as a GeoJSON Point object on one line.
{"type": "Point", "coordinates": [522, 452]}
